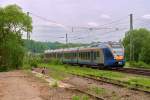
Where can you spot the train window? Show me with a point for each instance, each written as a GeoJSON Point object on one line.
{"type": "Point", "coordinates": [94, 55]}
{"type": "Point", "coordinates": [98, 55]}
{"type": "Point", "coordinates": [75, 55]}
{"type": "Point", "coordinates": [79, 55]}
{"type": "Point", "coordinates": [82, 55]}
{"type": "Point", "coordinates": [86, 55]}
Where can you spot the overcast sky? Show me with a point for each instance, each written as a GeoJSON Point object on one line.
{"type": "Point", "coordinates": [111, 17]}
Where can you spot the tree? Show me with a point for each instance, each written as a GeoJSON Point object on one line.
{"type": "Point", "coordinates": [13, 22]}
{"type": "Point", "coordinates": [145, 51]}
{"type": "Point", "coordinates": [140, 40]}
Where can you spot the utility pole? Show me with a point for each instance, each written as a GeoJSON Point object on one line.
{"type": "Point", "coordinates": [28, 34]}
{"type": "Point", "coordinates": [66, 39]}
{"type": "Point", "coordinates": [131, 28]}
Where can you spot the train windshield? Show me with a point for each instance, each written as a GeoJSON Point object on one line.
{"type": "Point", "coordinates": [117, 50]}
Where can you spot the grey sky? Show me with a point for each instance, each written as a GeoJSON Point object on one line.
{"type": "Point", "coordinates": [90, 13]}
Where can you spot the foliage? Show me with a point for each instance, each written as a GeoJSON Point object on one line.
{"type": "Point", "coordinates": [55, 62]}
{"type": "Point", "coordinates": [13, 22]}
{"type": "Point", "coordinates": [83, 97]}
{"type": "Point", "coordinates": [55, 84]}
{"type": "Point", "coordinates": [32, 60]}
{"type": "Point", "coordinates": [76, 97]}
{"type": "Point", "coordinates": [98, 90]}
{"type": "Point", "coordinates": [39, 47]}
{"type": "Point", "coordinates": [140, 45]}
{"type": "Point", "coordinates": [139, 64]}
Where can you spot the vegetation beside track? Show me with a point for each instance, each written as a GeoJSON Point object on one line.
{"type": "Point", "coordinates": [139, 64]}
{"type": "Point", "coordinates": [128, 80]}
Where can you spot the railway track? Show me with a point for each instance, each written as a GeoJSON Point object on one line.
{"type": "Point", "coordinates": [96, 97]}
{"type": "Point", "coordinates": [111, 81]}
{"type": "Point", "coordinates": [145, 72]}
{"type": "Point", "coordinates": [133, 71]}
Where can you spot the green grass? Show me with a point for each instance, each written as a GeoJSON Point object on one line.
{"type": "Point", "coordinates": [83, 97]}
{"type": "Point", "coordinates": [83, 71]}
{"type": "Point", "coordinates": [98, 90]}
{"type": "Point", "coordinates": [55, 84]}
{"type": "Point", "coordinates": [76, 97]}
{"type": "Point", "coordinates": [58, 75]}
{"type": "Point", "coordinates": [139, 64]}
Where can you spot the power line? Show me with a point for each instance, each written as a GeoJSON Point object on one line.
{"type": "Point", "coordinates": [79, 27]}
{"type": "Point", "coordinates": [115, 21]}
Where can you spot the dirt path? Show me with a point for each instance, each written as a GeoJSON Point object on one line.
{"type": "Point", "coordinates": [18, 86]}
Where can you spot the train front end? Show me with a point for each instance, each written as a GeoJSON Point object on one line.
{"type": "Point", "coordinates": [114, 55]}
{"type": "Point", "coordinates": [118, 54]}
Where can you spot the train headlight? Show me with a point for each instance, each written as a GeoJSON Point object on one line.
{"type": "Point", "coordinates": [119, 57]}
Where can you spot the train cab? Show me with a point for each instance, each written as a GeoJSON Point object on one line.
{"type": "Point", "coordinates": [117, 54]}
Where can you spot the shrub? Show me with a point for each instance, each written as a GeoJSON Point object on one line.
{"type": "Point", "coordinates": [33, 63]}
{"type": "Point", "coordinates": [55, 84]}
{"type": "Point", "coordinates": [75, 98]}
{"type": "Point", "coordinates": [139, 64]}
{"type": "Point", "coordinates": [55, 62]}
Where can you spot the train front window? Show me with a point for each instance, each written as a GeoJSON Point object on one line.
{"type": "Point", "coordinates": [118, 51]}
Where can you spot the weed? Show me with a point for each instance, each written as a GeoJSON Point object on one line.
{"type": "Point", "coordinates": [97, 90]}
{"type": "Point", "coordinates": [55, 84]}
{"type": "Point", "coordinates": [85, 97]}
{"type": "Point", "coordinates": [76, 97]}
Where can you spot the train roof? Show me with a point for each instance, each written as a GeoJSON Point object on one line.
{"type": "Point", "coordinates": [97, 45]}
{"type": "Point", "coordinates": [105, 44]}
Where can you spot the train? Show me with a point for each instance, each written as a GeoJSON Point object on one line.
{"type": "Point", "coordinates": [105, 54]}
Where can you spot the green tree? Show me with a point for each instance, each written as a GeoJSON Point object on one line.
{"type": "Point", "coordinates": [140, 41]}
{"type": "Point", "coordinates": [145, 51]}
{"type": "Point", "coordinates": [13, 23]}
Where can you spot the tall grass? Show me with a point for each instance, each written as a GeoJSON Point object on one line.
{"type": "Point", "coordinates": [139, 64]}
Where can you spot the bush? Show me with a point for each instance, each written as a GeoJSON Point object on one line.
{"type": "Point", "coordinates": [4, 68]}
{"type": "Point", "coordinates": [55, 62]}
{"type": "Point", "coordinates": [139, 64]}
{"type": "Point", "coordinates": [32, 60]}
{"type": "Point", "coordinates": [33, 63]}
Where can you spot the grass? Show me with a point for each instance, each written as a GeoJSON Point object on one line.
{"type": "Point", "coordinates": [55, 84]}
{"type": "Point", "coordinates": [131, 80]}
{"type": "Point", "coordinates": [139, 64]}
{"type": "Point", "coordinates": [97, 90]}
{"type": "Point", "coordinates": [58, 75]}
{"type": "Point", "coordinates": [75, 98]}
{"type": "Point", "coordinates": [83, 97]}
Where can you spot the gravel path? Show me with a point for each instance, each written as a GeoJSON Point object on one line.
{"type": "Point", "coordinates": [18, 86]}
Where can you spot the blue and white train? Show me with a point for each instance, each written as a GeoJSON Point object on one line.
{"type": "Point", "coordinates": [107, 54]}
